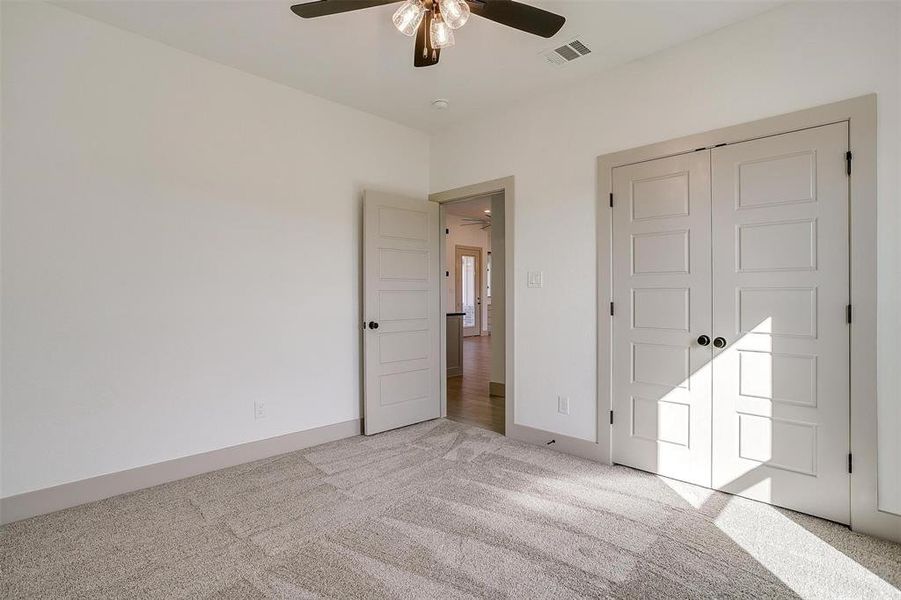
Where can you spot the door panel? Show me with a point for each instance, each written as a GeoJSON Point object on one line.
{"type": "Point", "coordinates": [400, 295]}
{"type": "Point", "coordinates": [661, 283]}
{"type": "Point", "coordinates": [780, 272]}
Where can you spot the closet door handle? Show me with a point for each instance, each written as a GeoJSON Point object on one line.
{"type": "Point", "coordinates": [373, 325]}
{"type": "Point", "coordinates": [703, 340]}
{"type": "Point", "coordinates": [719, 342]}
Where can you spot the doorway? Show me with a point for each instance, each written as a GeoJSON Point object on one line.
{"type": "Point", "coordinates": [475, 333]}
{"type": "Point", "coordinates": [411, 338]}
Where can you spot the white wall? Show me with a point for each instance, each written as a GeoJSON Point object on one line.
{"type": "Point", "coordinates": [791, 58]}
{"type": "Point", "coordinates": [178, 239]}
{"type": "Point", "coordinates": [466, 235]}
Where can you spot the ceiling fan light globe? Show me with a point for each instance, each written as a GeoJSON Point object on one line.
{"type": "Point", "coordinates": [408, 17]}
{"type": "Point", "coordinates": [455, 12]}
{"type": "Point", "coordinates": [440, 34]}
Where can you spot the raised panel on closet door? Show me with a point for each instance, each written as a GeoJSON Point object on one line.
{"type": "Point", "coordinates": [661, 286]}
{"type": "Point", "coordinates": [780, 273]}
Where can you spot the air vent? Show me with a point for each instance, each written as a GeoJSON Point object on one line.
{"type": "Point", "coordinates": [579, 47]}
{"type": "Point", "coordinates": [568, 52]}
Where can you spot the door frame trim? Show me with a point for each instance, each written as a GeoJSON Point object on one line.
{"type": "Point", "coordinates": [458, 278]}
{"type": "Point", "coordinates": [486, 188]}
{"type": "Point", "coordinates": [860, 113]}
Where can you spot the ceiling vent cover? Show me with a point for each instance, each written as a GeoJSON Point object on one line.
{"type": "Point", "coordinates": [568, 52]}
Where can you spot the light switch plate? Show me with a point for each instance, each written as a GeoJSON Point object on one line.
{"type": "Point", "coordinates": [536, 279]}
{"type": "Point", "coordinates": [563, 405]}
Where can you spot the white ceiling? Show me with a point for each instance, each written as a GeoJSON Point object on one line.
{"type": "Point", "coordinates": [474, 208]}
{"type": "Point", "coordinates": [360, 60]}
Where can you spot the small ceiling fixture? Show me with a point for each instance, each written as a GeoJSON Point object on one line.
{"type": "Point", "coordinates": [433, 21]}
{"type": "Point", "coordinates": [440, 104]}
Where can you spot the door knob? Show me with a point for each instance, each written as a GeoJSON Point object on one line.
{"type": "Point", "coordinates": [373, 325]}
{"type": "Point", "coordinates": [703, 340]}
{"type": "Point", "coordinates": [719, 342]}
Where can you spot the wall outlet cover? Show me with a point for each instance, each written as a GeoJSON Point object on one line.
{"type": "Point", "coordinates": [259, 409]}
{"type": "Point", "coordinates": [536, 279]}
{"type": "Point", "coordinates": [563, 405]}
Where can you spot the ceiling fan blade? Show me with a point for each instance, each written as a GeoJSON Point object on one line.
{"type": "Point", "coordinates": [423, 53]}
{"type": "Point", "coordinates": [518, 16]}
{"type": "Point", "coordinates": [322, 8]}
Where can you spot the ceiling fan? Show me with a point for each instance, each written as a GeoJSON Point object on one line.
{"type": "Point", "coordinates": [433, 21]}
{"type": "Point", "coordinates": [485, 221]}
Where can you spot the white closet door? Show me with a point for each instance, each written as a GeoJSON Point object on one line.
{"type": "Point", "coordinates": [661, 283]}
{"type": "Point", "coordinates": [780, 272]}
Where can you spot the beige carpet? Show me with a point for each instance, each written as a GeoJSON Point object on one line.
{"type": "Point", "coordinates": [437, 510]}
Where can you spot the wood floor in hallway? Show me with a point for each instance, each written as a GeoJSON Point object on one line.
{"type": "Point", "coordinates": [468, 400]}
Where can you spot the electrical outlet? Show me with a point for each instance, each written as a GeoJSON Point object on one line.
{"type": "Point", "coordinates": [259, 409]}
{"type": "Point", "coordinates": [535, 279]}
{"type": "Point", "coordinates": [563, 405]}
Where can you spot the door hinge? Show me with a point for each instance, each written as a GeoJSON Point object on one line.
{"type": "Point", "coordinates": [447, 273]}
{"type": "Point", "coordinates": [848, 156]}
{"type": "Point", "coordinates": [611, 309]}
{"type": "Point", "coordinates": [611, 199]}
{"type": "Point", "coordinates": [446, 231]}
{"type": "Point", "coordinates": [611, 417]}
{"type": "Point", "coordinates": [848, 313]}
{"type": "Point", "coordinates": [850, 463]}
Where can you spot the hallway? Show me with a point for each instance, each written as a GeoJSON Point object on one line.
{"type": "Point", "coordinates": [468, 400]}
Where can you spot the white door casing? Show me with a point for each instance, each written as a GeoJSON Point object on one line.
{"type": "Point", "coordinates": [661, 294]}
{"type": "Point", "coordinates": [401, 356]}
{"type": "Point", "coordinates": [781, 287]}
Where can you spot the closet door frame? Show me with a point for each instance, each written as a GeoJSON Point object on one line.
{"type": "Point", "coordinates": [860, 114]}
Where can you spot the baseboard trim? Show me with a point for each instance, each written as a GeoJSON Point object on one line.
{"type": "Point", "coordinates": [67, 495]}
{"type": "Point", "coordinates": [561, 443]}
{"type": "Point", "coordinates": [496, 389]}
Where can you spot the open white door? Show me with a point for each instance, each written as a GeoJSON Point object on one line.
{"type": "Point", "coordinates": [401, 335]}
